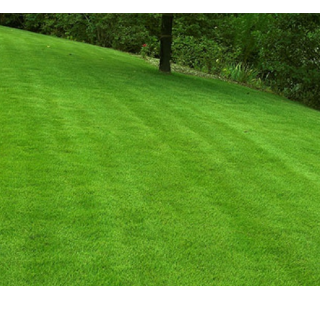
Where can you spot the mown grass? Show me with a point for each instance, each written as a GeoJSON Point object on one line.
{"type": "Point", "coordinates": [114, 174]}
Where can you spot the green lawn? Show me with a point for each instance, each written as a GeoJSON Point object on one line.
{"type": "Point", "coordinates": [114, 174]}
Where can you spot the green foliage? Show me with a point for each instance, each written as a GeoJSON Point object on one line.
{"type": "Point", "coordinates": [151, 48]}
{"type": "Point", "coordinates": [202, 54]}
{"type": "Point", "coordinates": [289, 56]}
{"type": "Point", "coordinates": [242, 73]}
{"type": "Point", "coordinates": [282, 48]}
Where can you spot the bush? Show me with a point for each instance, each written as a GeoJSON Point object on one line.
{"type": "Point", "coordinates": [201, 54]}
{"type": "Point", "coordinates": [290, 57]}
{"type": "Point", "coordinates": [241, 72]}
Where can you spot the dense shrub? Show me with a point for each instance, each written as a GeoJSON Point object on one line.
{"type": "Point", "coordinates": [290, 56]}
{"type": "Point", "coordinates": [199, 53]}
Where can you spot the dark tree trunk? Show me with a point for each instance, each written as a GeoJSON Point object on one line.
{"type": "Point", "coordinates": [165, 42]}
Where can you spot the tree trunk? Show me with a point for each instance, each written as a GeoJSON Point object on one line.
{"type": "Point", "coordinates": [165, 42]}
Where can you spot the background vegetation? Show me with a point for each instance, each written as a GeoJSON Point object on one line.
{"type": "Point", "coordinates": [280, 51]}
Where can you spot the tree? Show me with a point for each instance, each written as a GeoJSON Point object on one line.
{"type": "Point", "coordinates": [165, 42]}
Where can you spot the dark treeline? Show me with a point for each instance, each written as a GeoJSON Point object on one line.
{"type": "Point", "coordinates": [279, 51]}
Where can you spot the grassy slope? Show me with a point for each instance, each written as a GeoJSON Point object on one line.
{"type": "Point", "coordinates": [114, 174]}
